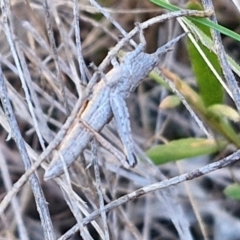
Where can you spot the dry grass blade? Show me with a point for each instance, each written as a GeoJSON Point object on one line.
{"type": "Point", "coordinates": [37, 191]}
{"type": "Point", "coordinates": [15, 203]}
{"type": "Point", "coordinates": [227, 72]}
{"type": "Point", "coordinates": [45, 52]}
{"type": "Point", "coordinates": [157, 186]}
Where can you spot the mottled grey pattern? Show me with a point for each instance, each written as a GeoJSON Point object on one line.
{"type": "Point", "coordinates": [108, 100]}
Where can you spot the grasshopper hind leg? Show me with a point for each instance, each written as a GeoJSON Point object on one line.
{"type": "Point", "coordinates": [121, 116]}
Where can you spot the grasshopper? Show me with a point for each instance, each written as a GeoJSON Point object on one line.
{"type": "Point", "coordinates": [108, 100]}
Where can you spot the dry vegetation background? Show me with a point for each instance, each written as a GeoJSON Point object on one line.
{"type": "Point", "coordinates": [197, 209]}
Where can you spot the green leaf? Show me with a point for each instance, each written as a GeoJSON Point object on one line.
{"type": "Point", "coordinates": [216, 122]}
{"type": "Point", "coordinates": [184, 148]}
{"type": "Point", "coordinates": [233, 191]}
{"type": "Point", "coordinates": [156, 77]}
{"type": "Point", "coordinates": [225, 111]}
{"type": "Point", "coordinates": [222, 125]}
{"type": "Point", "coordinates": [210, 88]}
{"type": "Point", "coordinates": [206, 22]}
{"type": "Point", "coordinates": [170, 101]}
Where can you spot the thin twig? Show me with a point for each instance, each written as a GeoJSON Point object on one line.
{"type": "Point", "coordinates": [226, 69]}
{"type": "Point", "coordinates": [157, 186]}
{"type": "Point", "coordinates": [112, 20]}
{"type": "Point", "coordinates": [73, 204]}
{"type": "Point", "coordinates": [36, 187]}
{"type": "Point", "coordinates": [65, 43]}
{"type": "Point", "coordinates": [187, 105]}
{"type": "Point", "coordinates": [24, 178]}
{"type": "Point", "coordinates": [54, 51]}
{"type": "Point", "coordinates": [99, 190]}
{"type": "Point", "coordinates": [15, 203]}
{"type": "Point", "coordinates": [83, 69]}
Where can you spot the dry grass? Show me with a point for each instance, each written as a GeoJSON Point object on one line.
{"type": "Point", "coordinates": [194, 210]}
